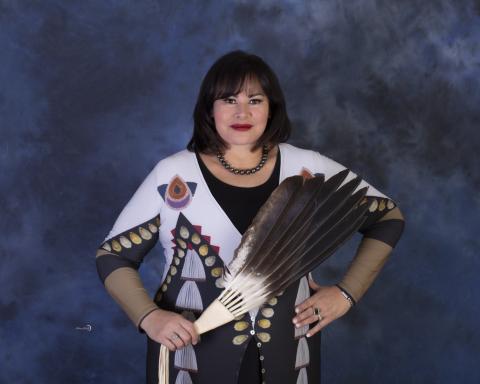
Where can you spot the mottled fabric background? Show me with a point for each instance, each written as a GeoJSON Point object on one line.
{"type": "Point", "coordinates": [94, 93]}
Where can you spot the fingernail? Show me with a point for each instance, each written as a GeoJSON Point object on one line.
{"type": "Point", "coordinates": [297, 325]}
{"type": "Point", "coordinates": [308, 335]}
{"type": "Point", "coordinates": [297, 310]}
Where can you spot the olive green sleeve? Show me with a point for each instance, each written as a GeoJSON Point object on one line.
{"type": "Point", "coordinates": [369, 260]}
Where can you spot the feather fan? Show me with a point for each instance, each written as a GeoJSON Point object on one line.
{"type": "Point", "coordinates": [301, 224]}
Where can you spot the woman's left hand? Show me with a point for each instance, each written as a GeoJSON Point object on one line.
{"type": "Point", "coordinates": [331, 305]}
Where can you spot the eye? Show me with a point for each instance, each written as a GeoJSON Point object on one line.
{"type": "Point", "coordinates": [256, 101]}
{"type": "Point", "coordinates": [230, 100]}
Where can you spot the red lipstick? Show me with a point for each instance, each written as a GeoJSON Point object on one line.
{"type": "Point", "coordinates": [241, 127]}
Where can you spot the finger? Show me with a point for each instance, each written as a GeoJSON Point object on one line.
{"type": "Point", "coordinates": [315, 329]}
{"type": "Point", "coordinates": [176, 340]}
{"type": "Point", "coordinates": [308, 320]}
{"type": "Point", "coordinates": [184, 335]}
{"type": "Point", "coordinates": [304, 305]}
{"type": "Point", "coordinates": [169, 345]}
{"type": "Point", "coordinates": [188, 326]}
{"type": "Point", "coordinates": [310, 311]}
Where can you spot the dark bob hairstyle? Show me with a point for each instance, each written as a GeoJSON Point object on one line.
{"type": "Point", "coordinates": [226, 78]}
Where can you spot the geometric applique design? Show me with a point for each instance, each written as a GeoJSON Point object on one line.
{"type": "Point", "coordinates": [307, 174]}
{"type": "Point", "coordinates": [189, 297]}
{"type": "Point", "coordinates": [303, 353]}
{"type": "Point", "coordinates": [183, 377]}
{"type": "Point", "coordinates": [177, 194]}
{"type": "Point", "coordinates": [263, 320]}
{"type": "Point", "coordinates": [380, 204]}
{"type": "Point", "coordinates": [377, 208]}
{"type": "Point", "coordinates": [241, 325]}
{"type": "Point", "coordinates": [303, 292]}
{"type": "Point", "coordinates": [185, 239]}
{"type": "Point", "coordinates": [193, 256]}
{"type": "Point", "coordinates": [193, 267]}
{"type": "Point", "coordinates": [193, 260]}
{"type": "Point", "coordinates": [302, 376]}
{"type": "Point", "coordinates": [134, 243]}
{"type": "Point", "coordinates": [185, 359]}
{"type": "Point", "coordinates": [263, 324]}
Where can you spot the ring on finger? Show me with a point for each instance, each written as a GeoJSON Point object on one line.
{"type": "Point", "coordinates": [175, 337]}
{"type": "Point", "coordinates": [316, 312]}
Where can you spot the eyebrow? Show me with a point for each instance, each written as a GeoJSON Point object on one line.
{"type": "Point", "coordinates": [251, 95]}
{"type": "Point", "coordinates": [259, 93]}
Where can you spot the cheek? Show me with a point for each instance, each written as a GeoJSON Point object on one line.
{"type": "Point", "coordinates": [262, 114]}
{"type": "Point", "coordinates": [215, 109]}
{"type": "Point", "coordinates": [219, 114]}
{"type": "Point", "coordinates": [265, 110]}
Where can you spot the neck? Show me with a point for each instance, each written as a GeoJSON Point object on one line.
{"type": "Point", "coordinates": [240, 156]}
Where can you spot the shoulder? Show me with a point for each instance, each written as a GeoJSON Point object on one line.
{"type": "Point", "coordinates": [175, 160]}
{"type": "Point", "coordinates": [293, 152]}
{"type": "Point", "coordinates": [300, 160]}
{"type": "Point", "coordinates": [308, 157]}
{"type": "Point", "coordinates": [319, 159]}
{"type": "Point", "coordinates": [291, 149]}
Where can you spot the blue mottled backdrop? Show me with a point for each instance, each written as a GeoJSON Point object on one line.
{"type": "Point", "coordinates": [94, 93]}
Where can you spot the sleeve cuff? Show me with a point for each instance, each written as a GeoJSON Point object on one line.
{"type": "Point", "coordinates": [139, 322]}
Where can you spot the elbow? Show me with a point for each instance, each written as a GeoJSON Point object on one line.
{"type": "Point", "coordinates": [388, 229]}
{"type": "Point", "coordinates": [101, 264]}
{"type": "Point", "coordinates": [108, 262]}
{"type": "Point", "coordinates": [400, 217]}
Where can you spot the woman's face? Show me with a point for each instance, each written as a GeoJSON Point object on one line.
{"type": "Point", "coordinates": [241, 119]}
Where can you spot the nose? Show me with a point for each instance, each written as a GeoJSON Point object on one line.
{"type": "Point", "coordinates": [242, 110]}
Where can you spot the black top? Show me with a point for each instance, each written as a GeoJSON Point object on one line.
{"type": "Point", "coordinates": [241, 204]}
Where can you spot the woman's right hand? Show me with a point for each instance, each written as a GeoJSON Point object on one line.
{"type": "Point", "coordinates": [170, 329]}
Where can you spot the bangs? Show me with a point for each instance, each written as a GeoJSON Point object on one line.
{"type": "Point", "coordinates": [232, 81]}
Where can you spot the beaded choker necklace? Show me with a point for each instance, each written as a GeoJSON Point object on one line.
{"type": "Point", "coordinates": [249, 171]}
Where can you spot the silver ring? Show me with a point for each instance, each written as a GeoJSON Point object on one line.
{"type": "Point", "coordinates": [320, 318]}
{"type": "Point", "coordinates": [175, 336]}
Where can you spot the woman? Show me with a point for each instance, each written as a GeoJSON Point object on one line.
{"type": "Point", "coordinates": [199, 202]}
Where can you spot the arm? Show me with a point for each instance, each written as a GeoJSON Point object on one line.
{"type": "Point", "coordinates": [117, 267]}
{"type": "Point", "coordinates": [381, 232]}
{"type": "Point", "coordinates": [382, 229]}
{"type": "Point", "coordinates": [133, 235]}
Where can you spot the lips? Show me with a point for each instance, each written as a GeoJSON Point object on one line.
{"type": "Point", "coordinates": [241, 127]}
